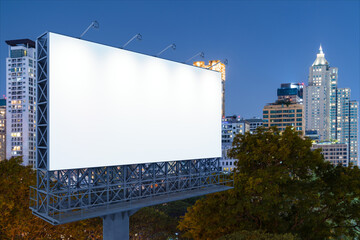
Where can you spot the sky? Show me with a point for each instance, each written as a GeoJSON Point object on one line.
{"type": "Point", "coordinates": [266, 42]}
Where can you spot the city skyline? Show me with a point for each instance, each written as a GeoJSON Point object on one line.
{"type": "Point", "coordinates": [266, 43]}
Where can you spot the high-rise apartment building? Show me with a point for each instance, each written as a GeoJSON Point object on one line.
{"type": "Point", "coordinates": [220, 67]}
{"type": "Point", "coordinates": [287, 110]}
{"type": "Point", "coordinates": [328, 109]}
{"type": "Point", "coordinates": [284, 115]}
{"type": "Point", "coordinates": [21, 100]}
{"type": "Point", "coordinates": [2, 129]}
{"type": "Point", "coordinates": [334, 153]}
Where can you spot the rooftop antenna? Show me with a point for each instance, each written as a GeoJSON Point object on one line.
{"type": "Point", "coordinates": [173, 46]}
{"type": "Point", "coordinates": [94, 24]}
{"type": "Point", "coordinates": [137, 36]}
{"type": "Point", "coordinates": [224, 62]}
{"type": "Point", "coordinates": [201, 54]}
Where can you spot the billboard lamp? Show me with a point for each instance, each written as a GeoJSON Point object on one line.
{"type": "Point", "coordinates": [94, 24]}
{"type": "Point", "coordinates": [201, 54]}
{"type": "Point", "coordinates": [173, 46]}
{"type": "Point", "coordinates": [224, 62]}
{"type": "Point", "coordinates": [137, 36]}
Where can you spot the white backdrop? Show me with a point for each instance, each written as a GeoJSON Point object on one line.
{"type": "Point", "coordinates": [109, 106]}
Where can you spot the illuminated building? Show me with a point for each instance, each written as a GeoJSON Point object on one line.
{"type": "Point", "coordinates": [319, 96]}
{"type": "Point", "coordinates": [290, 92]}
{"type": "Point", "coordinates": [21, 100]}
{"type": "Point", "coordinates": [254, 123]}
{"type": "Point", "coordinates": [287, 109]}
{"type": "Point", "coordinates": [220, 67]}
{"type": "Point", "coordinates": [328, 109]}
{"type": "Point", "coordinates": [334, 153]}
{"type": "Point", "coordinates": [283, 115]}
{"type": "Point", "coordinates": [2, 129]}
{"type": "Point", "coordinates": [231, 126]}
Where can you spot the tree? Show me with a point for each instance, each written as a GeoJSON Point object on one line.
{"type": "Point", "coordinates": [257, 235]}
{"type": "Point", "coordinates": [150, 223]}
{"type": "Point", "coordinates": [17, 221]}
{"type": "Point", "coordinates": [280, 186]}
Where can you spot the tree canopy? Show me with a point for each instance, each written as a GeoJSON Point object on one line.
{"type": "Point", "coordinates": [280, 186]}
{"type": "Point", "coordinates": [257, 235]}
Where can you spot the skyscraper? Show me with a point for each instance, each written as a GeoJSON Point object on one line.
{"type": "Point", "coordinates": [328, 109]}
{"type": "Point", "coordinates": [21, 100]}
{"type": "Point", "coordinates": [220, 67]}
{"type": "Point", "coordinates": [319, 96]}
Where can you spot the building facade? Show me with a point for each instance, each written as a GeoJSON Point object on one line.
{"type": "Point", "coordinates": [290, 92]}
{"type": "Point", "coordinates": [287, 110]}
{"type": "Point", "coordinates": [254, 123]}
{"type": "Point", "coordinates": [231, 126]}
{"type": "Point", "coordinates": [284, 115]}
{"type": "Point", "coordinates": [21, 100]}
{"type": "Point", "coordinates": [227, 164]}
{"type": "Point", "coordinates": [2, 129]}
{"type": "Point", "coordinates": [334, 153]}
{"type": "Point", "coordinates": [329, 110]}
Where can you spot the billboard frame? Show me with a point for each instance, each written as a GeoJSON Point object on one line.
{"type": "Point", "coordinates": [110, 192]}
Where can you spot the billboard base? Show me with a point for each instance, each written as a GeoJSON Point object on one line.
{"type": "Point", "coordinates": [116, 226]}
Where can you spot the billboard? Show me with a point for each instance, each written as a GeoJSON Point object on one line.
{"type": "Point", "coordinates": [109, 107]}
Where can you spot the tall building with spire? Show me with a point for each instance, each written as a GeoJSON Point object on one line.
{"type": "Point", "coordinates": [328, 109]}
{"type": "Point", "coordinates": [319, 96]}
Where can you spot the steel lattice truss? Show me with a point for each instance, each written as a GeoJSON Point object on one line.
{"type": "Point", "coordinates": [60, 195]}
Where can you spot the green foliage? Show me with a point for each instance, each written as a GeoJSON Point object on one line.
{"type": "Point", "coordinates": [177, 209]}
{"type": "Point", "coordinates": [150, 223]}
{"type": "Point", "coordinates": [257, 235]}
{"type": "Point", "coordinates": [280, 186]}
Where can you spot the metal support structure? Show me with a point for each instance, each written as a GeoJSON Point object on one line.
{"type": "Point", "coordinates": [76, 194]}
{"type": "Point", "coordinates": [173, 46]}
{"type": "Point", "coordinates": [112, 192]}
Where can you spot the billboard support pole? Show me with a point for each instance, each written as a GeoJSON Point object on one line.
{"type": "Point", "coordinates": [116, 226]}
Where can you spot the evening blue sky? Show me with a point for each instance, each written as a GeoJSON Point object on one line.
{"type": "Point", "coordinates": [266, 42]}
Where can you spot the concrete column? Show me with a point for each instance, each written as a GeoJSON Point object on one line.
{"type": "Point", "coordinates": [116, 226]}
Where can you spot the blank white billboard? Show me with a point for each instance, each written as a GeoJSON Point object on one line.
{"type": "Point", "coordinates": [109, 107]}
